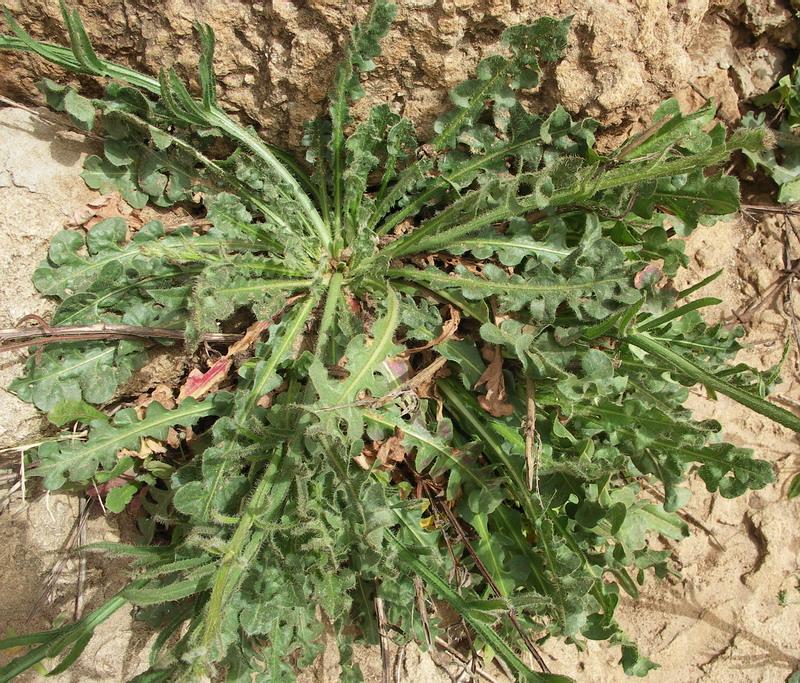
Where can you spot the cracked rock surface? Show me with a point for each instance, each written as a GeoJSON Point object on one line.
{"type": "Point", "coordinates": [275, 58]}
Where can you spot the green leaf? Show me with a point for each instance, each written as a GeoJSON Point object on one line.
{"type": "Point", "coordinates": [101, 175]}
{"type": "Point", "coordinates": [498, 77]}
{"type": "Point", "coordinates": [747, 399]}
{"type": "Point", "coordinates": [364, 357]}
{"type": "Point", "coordinates": [362, 146]}
{"type": "Point", "coordinates": [171, 592]}
{"type": "Point", "coordinates": [363, 48]}
{"type": "Point", "coordinates": [597, 365]}
{"type": "Point", "coordinates": [73, 411]}
{"type": "Point", "coordinates": [794, 487]}
{"type": "Point", "coordinates": [634, 664]}
{"type": "Point", "coordinates": [60, 462]}
{"type": "Point", "coordinates": [591, 290]}
{"type": "Point", "coordinates": [487, 633]}
{"type": "Point", "coordinates": [507, 247]}
{"type": "Point", "coordinates": [65, 374]}
{"type": "Point", "coordinates": [691, 198]}
{"type": "Point", "coordinates": [206, 69]}
{"type": "Point", "coordinates": [119, 497]}
{"type": "Point", "coordinates": [81, 111]}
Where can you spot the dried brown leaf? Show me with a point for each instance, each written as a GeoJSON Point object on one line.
{"type": "Point", "coordinates": [198, 383]}
{"type": "Point", "coordinates": [448, 330]}
{"type": "Point", "coordinates": [494, 401]}
{"type": "Point", "coordinates": [391, 452]}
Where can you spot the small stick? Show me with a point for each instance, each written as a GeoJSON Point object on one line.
{"type": "Point", "coordinates": [45, 334]}
{"type": "Point", "coordinates": [399, 662]}
{"type": "Point", "coordinates": [473, 655]}
{"type": "Point", "coordinates": [455, 654]}
{"type": "Point", "coordinates": [47, 506]}
{"type": "Point", "coordinates": [505, 668]}
{"type": "Point", "coordinates": [407, 386]}
{"type": "Point", "coordinates": [419, 591]}
{"type": "Point", "coordinates": [22, 477]}
{"type": "Point", "coordinates": [9, 495]}
{"type": "Point", "coordinates": [640, 139]}
{"type": "Point", "coordinates": [79, 588]}
{"type": "Point", "coordinates": [68, 544]}
{"type": "Point", "coordinates": [531, 459]}
{"type": "Point", "coordinates": [421, 377]}
{"type": "Point", "coordinates": [764, 208]}
{"type": "Point", "coordinates": [384, 640]}
{"type": "Point", "coordinates": [49, 119]}
{"type": "Point", "coordinates": [99, 497]}
{"type": "Point", "coordinates": [746, 314]}
{"type": "Point", "coordinates": [28, 446]}
{"type": "Point", "coordinates": [691, 519]}
{"type": "Point", "coordinates": [448, 330]}
{"type": "Point", "coordinates": [492, 584]}
{"type": "Point", "coordinates": [789, 298]}
{"type": "Point", "coordinates": [788, 399]}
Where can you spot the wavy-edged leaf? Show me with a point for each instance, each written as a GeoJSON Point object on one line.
{"type": "Point", "coordinates": [65, 373]}
{"type": "Point", "coordinates": [593, 285]}
{"type": "Point", "coordinates": [364, 357]}
{"type": "Point", "coordinates": [79, 461]}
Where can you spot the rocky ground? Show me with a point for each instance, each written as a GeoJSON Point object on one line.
{"type": "Point", "coordinates": [721, 620]}
{"type": "Point", "coordinates": [275, 58]}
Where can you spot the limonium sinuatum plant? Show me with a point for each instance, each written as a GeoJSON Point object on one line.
{"type": "Point", "coordinates": [459, 379]}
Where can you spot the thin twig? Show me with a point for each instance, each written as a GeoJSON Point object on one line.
{"type": "Point", "coordinates": [22, 486]}
{"type": "Point", "coordinates": [505, 668]}
{"type": "Point", "coordinates": [531, 447]}
{"type": "Point", "coordinates": [384, 640]}
{"type": "Point", "coordinates": [99, 497]}
{"type": "Point", "coordinates": [400, 662]}
{"type": "Point", "coordinates": [427, 373]}
{"type": "Point", "coordinates": [788, 399]}
{"type": "Point", "coordinates": [473, 655]}
{"type": "Point", "coordinates": [788, 296]}
{"type": "Point", "coordinates": [45, 334]}
{"type": "Point", "coordinates": [449, 329]}
{"type": "Point", "coordinates": [69, 543]}
{"type": "Point", "coordinates": [691, 519]}
{"type": "Point", "coordinates": [640, 139]}
{"type": "Point", "coordinates": [7, 499]}
{"type": "Point", "coordinates": [52, 120]}
{"type": "Point", "coordinates": [419, 591]}
{"type": "Point", "coordinates": [455, 654]}
{"type": "Point", "coordinates": [84, 508]}
{"type": "Point", "coordinates": [746, 314]}
{"type": "Point", "coordinates": [22, 448]}
{"type": "Point", "coordinates": [763, 208]}
{"type": "Point", "coordinates": [512, 617]}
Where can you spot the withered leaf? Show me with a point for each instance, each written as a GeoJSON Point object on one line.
{"type": "Point", "coordinates": [494, 401]}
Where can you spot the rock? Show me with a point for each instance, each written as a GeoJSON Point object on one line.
{"type": "Point", "coordinates": [41, 168]}
{"type": "Point", "coordinates": [275, 60]}
{"type": "Point", "coordinates": [38, 171]}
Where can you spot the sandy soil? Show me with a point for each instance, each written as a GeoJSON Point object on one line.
{"type": "Point", "coordinates": [39, 188]}
{"type": "Point", "coordinates": [720, 622]}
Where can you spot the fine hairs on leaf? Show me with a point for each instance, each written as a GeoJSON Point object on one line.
{"type": "Point", "coordinates": [460, 365]}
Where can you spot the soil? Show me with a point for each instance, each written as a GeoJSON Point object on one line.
{"type": "Point", "coordinates": [275, 59]}
{"type": "Point", "coordinates": [721, 619]}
